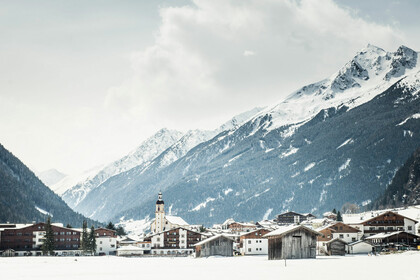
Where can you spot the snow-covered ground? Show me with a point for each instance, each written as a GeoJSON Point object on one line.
{"type": "Point", "coordinates": [398, 266]}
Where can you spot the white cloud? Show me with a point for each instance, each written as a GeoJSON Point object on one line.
{"type": "Point", "coordinates": [195, 74]}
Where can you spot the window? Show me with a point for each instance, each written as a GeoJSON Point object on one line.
{"type": "Point", "coordinates": [341, 236]}
{"type": "Point", "coordinates": [68, 233]}
{"type": "Point", "coordinates": [62, 233]}
{"type": "Point", "coordinates": [158, 239]}
{"type": "Point", "coordinates": [100, 242]}
{"type": "Point", "coordinates": [353, 239]}
{"type": "Point", "coordinates": [410, 228]}
{"type": "Point", "coordinates": [390, 228]}
{"type": "Point", "coordinates": [249, 241]}
{"type": "Point", "coordinates": [249, 249]}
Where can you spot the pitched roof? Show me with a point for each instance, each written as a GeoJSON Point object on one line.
{"type": "Point", "coordinates": [383, 235]}
{"type": "Point", "coordinates": [336, 239]}
{"type": "Point", "coordinates": [286, 229]}
{"type": "Point", "coordinates": [212, 238]}
{"type": "Point", "coordinates": [176, 220]}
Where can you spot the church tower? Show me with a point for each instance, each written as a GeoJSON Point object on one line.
{"type": "Point", "coordinates": [160, 214]}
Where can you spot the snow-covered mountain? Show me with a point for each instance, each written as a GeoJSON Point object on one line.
{"type": "Point", "coordinates": [142, 155]}
{"type": "Point", "coordinates": [50, 177]}
{"type": "Point", "coordinates": [335, 141]}
{"type": "Point", "coordinates": [156, 162]}
{"type": "Point", "coordinates": [170, 145]}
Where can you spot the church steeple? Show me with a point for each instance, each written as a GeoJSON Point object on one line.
{"type": "Point", "coordinates": [160, 214]}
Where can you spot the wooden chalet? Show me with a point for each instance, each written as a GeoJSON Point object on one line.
{"type": "Point", "coordinates": [292, 242]}
{"type": "Point", "coordinates": [336, 247]}
{"type": "Point", "coordinates": [293, 218]}
{"type": "Point", "coordinates": [218, 245]}
{"type": "Point", "coordinates": [394, 240]}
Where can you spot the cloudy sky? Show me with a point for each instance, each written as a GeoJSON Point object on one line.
{"type": "Point", "coordinates": [84, 82]}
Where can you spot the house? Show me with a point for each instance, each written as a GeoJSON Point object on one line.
{"type": "Point", "coordinates": [106, 241]}
{"type": "Point", "coordinates": [178, 241]}
{"type": "Point", "coordinates": [293, 218]}
{"type": "Point", "coordinates": [237, 227]}
{"type": "Point", "coordinates": [372, 223]}
{"type": "Point", "coordinates": [337, 230]}
{"type": "Point", "coordinates": [394, 240]}
{"type": "Point", "coordinates": [359, 247]}
{"type": "Point", "coordinates": [28, 239]}
{"type": "Point", "coordinates": [330, 215]}
{"type": "Point", "coordinates": [218, 245]}
{"type": "Point", "coordinates": [336, 247]}
{"type": "Point", "coordinates": [254, 242]}
{"type": "Point", "coordinates": [292, 242]}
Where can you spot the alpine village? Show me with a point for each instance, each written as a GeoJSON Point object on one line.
{"type": "Point", "coordinates": [290, 235]}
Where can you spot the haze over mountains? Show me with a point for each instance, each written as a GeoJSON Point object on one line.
{"type": "Point", "coordinates": [335, 141]}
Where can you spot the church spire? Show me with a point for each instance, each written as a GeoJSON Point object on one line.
{"type": "Point", "coordinates": [160, 201]}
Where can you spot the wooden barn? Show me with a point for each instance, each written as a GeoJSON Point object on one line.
{"type": "Point", "coordinates": [336, 247]}
{"type": "Point", "coordinates": [218, 245]}
{"type": "Point", "coordinates": [292, 242]}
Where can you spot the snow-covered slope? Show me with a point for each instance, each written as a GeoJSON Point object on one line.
{"type": "Point", "coordinates": [50, 177]}
{"type": "Point", "coordinates": [369, 73]}
{"type": "Point", "coordinates": [147, 151]}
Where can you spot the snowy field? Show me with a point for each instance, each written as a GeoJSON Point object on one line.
{"type": "Point", "coordinates": [404, 266]}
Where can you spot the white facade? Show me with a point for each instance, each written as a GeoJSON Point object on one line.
{"type": "Point", "coordinates": [347, 237]}
{"type": "Point", "coordinates": [255, 246]}
{"type": "Point", "coordinates": [106, 245]}
{"type": "Point", "coordinates": [360, 247]}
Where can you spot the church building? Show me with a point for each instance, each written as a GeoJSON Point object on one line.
{"type": "Point", "coordinates": [163, 222]}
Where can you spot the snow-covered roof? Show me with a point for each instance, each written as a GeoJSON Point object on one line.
{"type": "Point", "coordinates": [176, 220]}
{"type": "Point", "coordinates": [130, 248]}
{"type": "Point", "coordinates": [365, 216]}
{"type": "Point", "coordinates": [228, 222]}
{"type": "Point", "coordinates": [357, 242]}
{"type": "Point", "coordinates": [337, 239]}
{"type": "Point", "coordinates": [212, 238]}
{"type": "Point", "coordinates": [383, 235]}
{"type": "Point", "coordinates": [286, 229]}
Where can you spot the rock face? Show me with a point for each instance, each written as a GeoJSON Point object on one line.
{"type": "Point", "coordinates": [24, 198]}
{"type": "Point", "coordinates": [335, 141]}
{"type": "Point", "coordinates": [404, 189]}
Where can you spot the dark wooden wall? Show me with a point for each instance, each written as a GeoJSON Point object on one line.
{"type": "Point", "coordinates": [299, 244]}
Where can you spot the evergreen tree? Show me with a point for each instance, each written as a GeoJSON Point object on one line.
{"type": "Point", "coordinates": [334, 211]}
{"type": "Point", "coordinates": [49, 245]}
{"type": "Point", "coordinates": [121, 231]}
{"type": "Point", "coordinates": [85, 238]}
{"type": "Point", "coordinates": [69, 226]}
{"type": "Point", "coordinates": [92, 241]}
{"type": "Point", "coordinates": [111, 226]}
{"type": "Point", "coordinates": [339, 218]}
